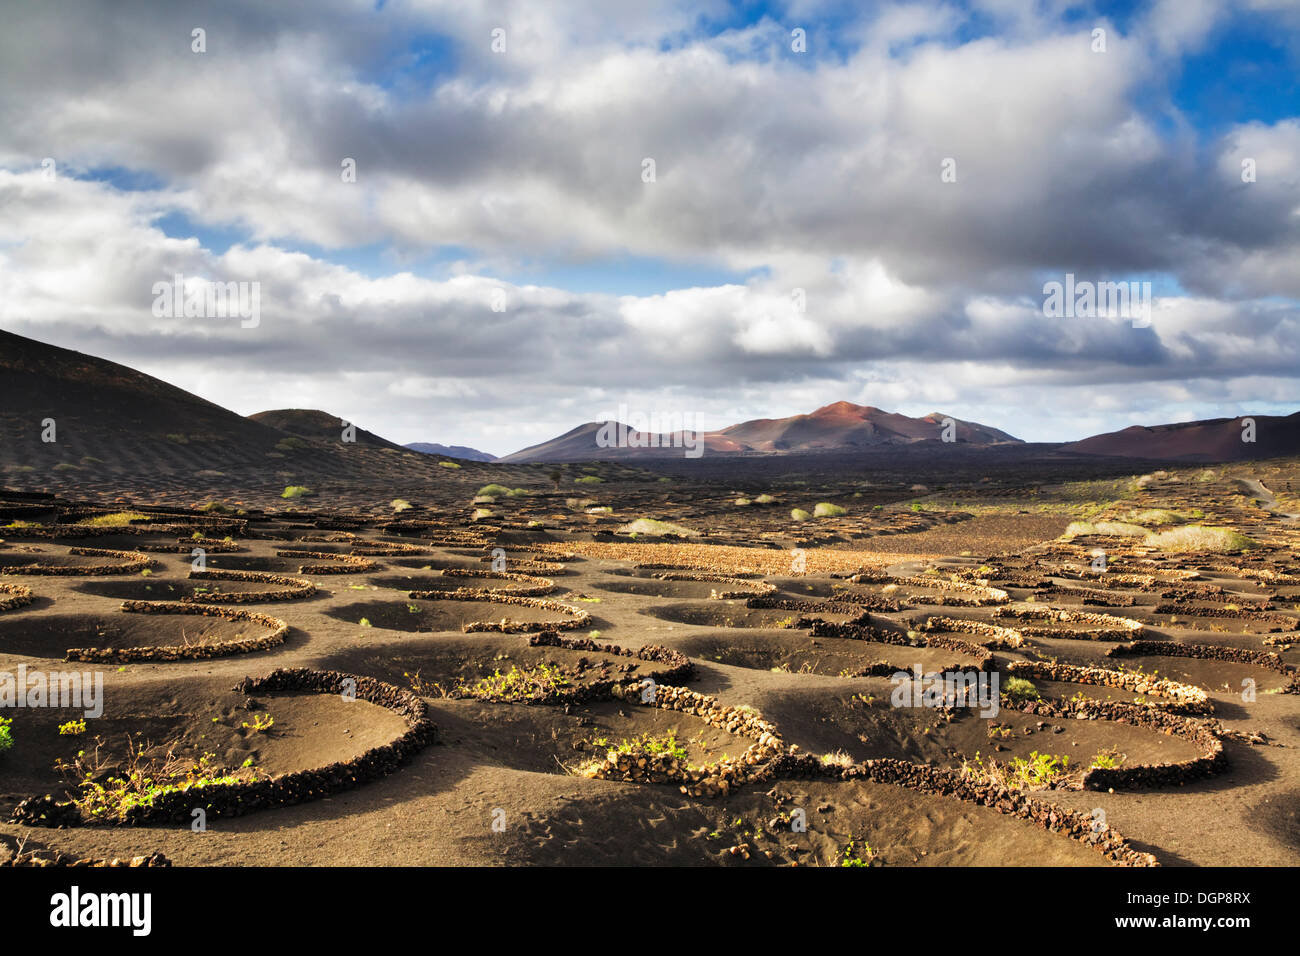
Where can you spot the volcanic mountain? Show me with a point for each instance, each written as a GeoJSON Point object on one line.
{"type": "Point", "coordinates": [843, 426]}
{"type": "Point", "coordinates": [91, 422]}
{"type": "Point", "coordinates": [840, 427]}
{"type": "Point", "coordinates": [1215, 439]}
{"type": "Point", "coordinates": [318, 425]}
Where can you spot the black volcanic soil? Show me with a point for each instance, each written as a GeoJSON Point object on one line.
{"type": "Point", "coordinates": [520, 762]}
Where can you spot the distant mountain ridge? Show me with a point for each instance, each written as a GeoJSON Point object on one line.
{"type": "Point", "coordinates": [462, 452]}
{"type": "Point", "coordinates": [1214, 439]}
{"type": "Point", "coordinates": [841, 426]}
{"type": "Point", "coordinates": [84, 419]}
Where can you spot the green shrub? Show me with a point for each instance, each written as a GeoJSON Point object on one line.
{"type": "Point", "coordinates": [827, 510]}
{"type": "Point", "coordinates": [588, 480]}
{"type": "Point", "coordinates": [1039, 771]}
{"type": "Point", "coordinates": [6, 733]}
{"type": "Point", "coordinates": [114, 520]}
{"type": "Point", "coordinates": [448, 464]}
{"type": "Point", "coordinates": [519, 683]}
{"type": "Point", "coordinates": [652, 526]}
{"type": "Point", "coordinates": [1018, 690]}
{"type": "Point", "coordinates": [297, 491]}
{"type": "Point", "coordinates": [666, 745]}
{"type": "Point", "coordinates": [798, 514]}
{"type": "Point", "coordinates": [1195, 537]}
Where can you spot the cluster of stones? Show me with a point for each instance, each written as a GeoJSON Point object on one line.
{"type": "Point", "coordinates": [1186, 607]}
{"type": "Point", "coordinates": [921, 778]}
{"type": "Point", "coordinates": [810, 611]}
{"type": "Point", "coordinates": [1140, 574]}
{"type": "Point", "coordinates": [1263, 575]}
{"type": "Point", "coordinates": [531, 565]}
{"type": "Point", "coordinates": [1104, 627]}
{"type": "Point", "coordinates": [739, 587]}
{"type": "Point", "coordinates": [604, 684]}
{"type": "Point", "coordinates": [1087, 595]}
{"type": "Point", "coordinates": [1177, 697]}
{"type": "Point", "coordinates": [1014, 577]}
{"type": "Point", "coordinates": [452, 537]}
{"type": "Point", "coordinates": [715, 780]}
{"type": "Point", "coordinates": [680, 667]}
{"type": "Point", "coordinates": [1202, 733]}
{"type": "Point", "coordinates": [289, 589]}
{"type": "Point", "coordinates": [956, 593]}
{"type": "Point", "coordinates": [872, 602]}
{"type": "Point", "coordinates": [328, 537]}
{"type": "Point", "coordinates": [275, 635]}
{"type": "Point", "coordinates": [36, 858]}
{"type": "Point", "coordinates": [1213, 652]}
{"type": "Point", "coordinates": [187, 545]}
{"type": "Point", "coordinates": [237, 799]}
{"type": "Point", "coordinates": [386, 548]}
{"type": "Point", "coordinates": [531, 586]}
{"type": "Point", "coordinates": [341, 563]}
{"type": "Point", "coordinates": [236, 528]}
{"type": "Point", "coordinates": [14, 596]}
{"type": "Point", "coordinates": [703, 568]}
{"type": "Point", "coordinates": [575, 617]}
{"type": "Point", "coordinates": [996, 637]}
{"type": "Point", "coordinates": [862, 631]}
{"type": "Point", "coordinates": [129, 562]}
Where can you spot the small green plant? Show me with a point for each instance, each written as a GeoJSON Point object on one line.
{"type": "Point", "coordinates": [854, 855]}
{"type": "Point", "coordinates": [1040, 770]}
{"type": "Point", "coordinates": [1109, 759]}
{"type": "Point", "coordinates": [72, 728]}
{"type": "Point", "coordinates": [798, 514]}
{"type": "Point", "coordinates": [261, 723]}
{"type": "Point", "coordinates": [6, 733]}
{"type": "Point", "coordinates": [1020, 691]}
{"type": "Point", "coordinates": [143, 781]}
{"type": "Point", "coordinates": [296, 491]}
{"type": "Point", "coordinates": [825, 509]}
{"type": "Point", "coordinates": [448, 464]}
{"type": "Point", "coordinates": [519, 683]}
{"type": "Point", "coordinates": [364, 622]}
{"type": "Point", "coordinates": [588, 480]}
{"type": "Point", "coordinates": [399, 505]}
{"type": "Point", "coordinates": [661, 745]}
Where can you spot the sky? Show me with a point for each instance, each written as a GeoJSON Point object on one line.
{"type": "Point", "coordinates": [484, 224]}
